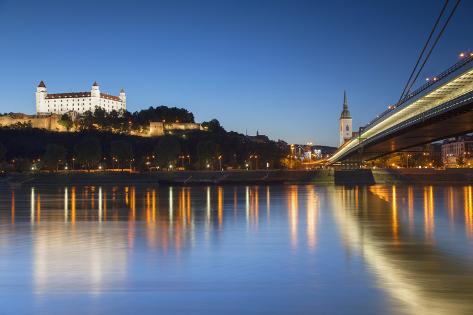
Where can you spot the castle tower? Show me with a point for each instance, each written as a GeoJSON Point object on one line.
{"type": "Point", "coordinates": [123, 98]}
{"type": "Point", "coordinates": [41, 93]}
{"type": "Point", "coordinates": [95, 96]}
{"type": "Point", "coordinates": [95, 92]}
{"type": "Point", "coordinates": [345, 122]}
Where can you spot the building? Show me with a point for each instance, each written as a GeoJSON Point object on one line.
{"type": "Point", "coordinates": [457, 151]}
{"type": "Point", "coordinates": [77, 102]}
{"type": "Point", "coordinates": [345, 122]}
{"type": "Point", "coordinates": [258, 138]}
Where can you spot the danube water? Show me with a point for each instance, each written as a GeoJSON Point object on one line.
{"type": "Point", "coordinates": [283, 249]}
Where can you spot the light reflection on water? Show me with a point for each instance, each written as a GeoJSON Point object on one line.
{"type": "Point", "coordinates": [239, 249]}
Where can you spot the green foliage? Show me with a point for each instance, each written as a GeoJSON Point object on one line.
{"type": "Point", "coordinates": [66, 121]}
{"type": "Point", "coordinates": [206, 153]}
{"type": "Point", "coordinates": [19, 126]}
{"type": "Point", "coordinates": [160, 113]}
{"type": "Point", "coordinates": [167, 150]}
{"type": "Point", "coordinates": [86, 121]}
{"type": "Point", "coordinates": [194, 150]}
{"type": "Point", "coordinates": [213, 126]}
{"type": "Point", "coordinates": [88, 152]}
{"type": "Point", "coordinates": [3, 151]}
{"type": "Point", "coordinates": [125, 121]}
{"type": "Point", "coordinates": [122, 151]}
{"type": "Point", "coordinates": [53, 155]}
{"type": "Point", "coordinates": [22, 165]}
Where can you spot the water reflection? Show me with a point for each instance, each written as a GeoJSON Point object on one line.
{"type": "Point", "coordinates": [468, 211]}
{"type": "Point", "coordinates": [293, 214]}
{"type": "Point", "coordinates": [408, 246]}
{"type": "Point", "coordinates": [312, 217]}
{"type": "Point", "coordinates": [422, 277]}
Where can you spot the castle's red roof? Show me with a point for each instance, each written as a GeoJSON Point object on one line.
{"type": "Point", "coordinates": [68, 95]}
{"type": "Point", "coordinates": [81, 94]}
{"type": "Point", "coordinates": [109, 97]}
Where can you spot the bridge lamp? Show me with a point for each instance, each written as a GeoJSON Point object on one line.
{"type": "Point", "coordinates": [462, 55]}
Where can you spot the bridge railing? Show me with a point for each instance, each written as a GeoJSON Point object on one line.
{"type": "Point", "coordinates": [403, 102]}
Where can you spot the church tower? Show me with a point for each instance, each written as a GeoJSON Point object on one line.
{"type": "Point", "coordinates": [345, 122]}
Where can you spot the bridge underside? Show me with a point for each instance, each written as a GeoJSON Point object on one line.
{"type": "Point", "coordinates": [452, 123]}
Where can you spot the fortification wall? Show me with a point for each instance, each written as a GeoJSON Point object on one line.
{"type": "Point", "coordinates": [158, 128]}
{"type": "Point", "coordinates": [41, 122]}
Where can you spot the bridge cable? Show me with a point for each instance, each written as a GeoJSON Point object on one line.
{"type": "Point", "coordinates": [423, 49]}
{"type": "Point", "coordinates": [434, 44]}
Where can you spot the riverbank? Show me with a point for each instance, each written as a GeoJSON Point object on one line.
{"type": "Point", "coordinates": [320, 177]}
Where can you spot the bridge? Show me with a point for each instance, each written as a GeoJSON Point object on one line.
{"type": "Point", "coordinates": [441, 108]}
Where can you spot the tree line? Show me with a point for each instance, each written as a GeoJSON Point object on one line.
{"type": "Point", "coordinates": [125, 121]}
{"type": "Point", "coordinates": [27, 148]}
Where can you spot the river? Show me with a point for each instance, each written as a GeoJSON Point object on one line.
{"type": "Point", "coordinates": [279, 249]}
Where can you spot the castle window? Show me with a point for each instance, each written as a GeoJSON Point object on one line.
{"type": "Point", "coordinates": [347, 128]}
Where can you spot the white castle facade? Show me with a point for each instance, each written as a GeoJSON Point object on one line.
{"type": "Point", "coordinates": [77, 102]}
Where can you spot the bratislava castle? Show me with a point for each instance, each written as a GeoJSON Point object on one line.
{"type": "Point", "coordinates": [79, 102]}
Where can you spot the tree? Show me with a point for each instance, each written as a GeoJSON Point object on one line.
{"type": "Point", "coordinates": [206, 151]}
{"type": "Point", "coordinates": [460, 161]}
{"type": "Point", "coordinates": [66, 121]}
{"type": "Point", "coordinates": [122, 151]}
{"type": "Point", "coordinates": [86, 122]}
{"type": "Point", "coordinates": [100, 117]}
{"type": "Point", "coordinates": [167, 150]}
{"type": "Point", "coordinates": [213, 126]}
{"type": "Point", "coordinates": [3, 152]}
{"type": "Point", "coordinates": [88, 152]}
{"type": "Point", "coordinates": [53, 155]}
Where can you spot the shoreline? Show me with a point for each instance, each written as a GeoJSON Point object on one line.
{"type": "Point", "coordinates": [257, 177]}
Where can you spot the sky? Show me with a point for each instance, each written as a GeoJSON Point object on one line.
{"type": "Point", "coordinates": [279, 67]}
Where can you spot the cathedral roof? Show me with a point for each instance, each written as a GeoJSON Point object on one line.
{"type": "Point", "coordinates": [345, 112]}
{"type": "Point", "coordinates": [122, 91]}
{"type": "Point", "coordinates": [95, 83]}
{"type": "Point", "coordinates": [41, 84]}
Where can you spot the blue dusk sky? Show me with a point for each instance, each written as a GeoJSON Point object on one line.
{"type": "Point", "coordinates": [279, 67]}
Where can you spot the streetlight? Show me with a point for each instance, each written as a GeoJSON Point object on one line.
{"type": "Point", "coordinates": [220, 161]}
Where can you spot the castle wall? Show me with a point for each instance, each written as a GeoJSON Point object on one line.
{"type": "Point", "coordinates": [41, 122]}
{"type": "Point", "coordinates": [157, 128]}
{"type": "Point", "coordinates": [50, 122]}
